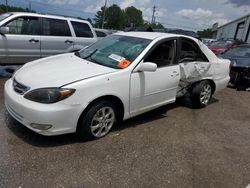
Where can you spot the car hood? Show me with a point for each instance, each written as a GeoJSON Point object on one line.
{"type": "Point", "coordinates": [59, 70]}
{"type": "Point", "coordinates": [238, 61]}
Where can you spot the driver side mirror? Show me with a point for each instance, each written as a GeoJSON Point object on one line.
{"type": "Point", "coordinates": [4, 30]}
{"type": "Point", "coordinates": [147, 67]}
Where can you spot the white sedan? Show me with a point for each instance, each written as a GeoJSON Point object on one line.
{"type": "Point", "coordinates": [114, 79]}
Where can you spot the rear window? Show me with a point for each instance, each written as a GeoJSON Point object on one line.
{"type": "Point", "coordinates": [55, 27]}
{"type": "Point", "coordinates": [82, 29]}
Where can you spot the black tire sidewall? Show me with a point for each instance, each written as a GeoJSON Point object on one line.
{"type": "Point", "coordinates": [196, 94]}
{"type": "Point", "coordinates": [83, 128]}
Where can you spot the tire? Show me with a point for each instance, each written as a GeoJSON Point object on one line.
{"type": "Point", "coordinates": [98, 121]}
{"type": "Point", "coordinates": [201, 94]}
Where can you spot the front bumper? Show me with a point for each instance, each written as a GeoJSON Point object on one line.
{"type": "Point", "coordinates": [240, 77]}
{"type": "Point", "coordinates": [62, 116]}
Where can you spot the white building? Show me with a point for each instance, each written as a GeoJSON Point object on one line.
{"type": "Point", "coordinates": [237, 29]}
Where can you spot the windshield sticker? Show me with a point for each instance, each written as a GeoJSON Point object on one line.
{"type": "Point", "coordinates": [116, 57]}
{"type": "Point", "coordinates": [123, 63]}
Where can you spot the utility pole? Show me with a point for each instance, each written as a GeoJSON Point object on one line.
{"type": "Point", "coordinates": [153, 16]}
{"type": "Point", "coordinates": [6, 2]}
{"type": "Point", "coordinates": [104, 12]}
{"type": "Point", "coordinates": [30, 6]}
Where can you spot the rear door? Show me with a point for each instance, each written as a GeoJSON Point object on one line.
{"type": "Point", "coordinates": [194, 65]}
{"type": "Point", "coordinates": [84, 35]}
{"type": "Point", "coordinates": [153, 89]}
{"type": "Point", "coordinates": [22, 43]}
{"type": "Point", "coordinates": [56, 37]}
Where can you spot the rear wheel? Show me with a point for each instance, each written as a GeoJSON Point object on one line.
{"type": "Point", "coordinates": [98, 121]}
{"type": "Point", "coordinates": [201, 94]}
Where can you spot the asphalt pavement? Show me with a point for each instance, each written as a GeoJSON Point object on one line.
{"type": "Point", "coordinates": [174, 146]}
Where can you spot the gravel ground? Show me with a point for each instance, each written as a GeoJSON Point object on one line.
{"type": "Point", "coordinates": [174, 146]}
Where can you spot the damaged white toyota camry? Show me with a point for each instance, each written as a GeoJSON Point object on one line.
{"type": "Point", "coordinates": [116, 78]}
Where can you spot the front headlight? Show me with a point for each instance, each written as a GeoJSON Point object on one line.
{"type": "Point", "coordinates": [49, 95]}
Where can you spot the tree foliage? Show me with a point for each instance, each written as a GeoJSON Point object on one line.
{"type": "Point", "coordinates": [155, 25]}
{"type": "Point", "coordinates": [206, 33]}
{"type": "Point", "coordinates": [1, 10]}
{"type": "Point", "coordinates": [116, 18]}
{"type": "Point", "coordinates": [133, 17]}
{"type": "Point", "coordinates": [13, 9]}
{"type": "Point", "coordinates": [99, 17]}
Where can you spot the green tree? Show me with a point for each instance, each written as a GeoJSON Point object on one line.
{"type": "Point", "coordinates": [99, 17]}
{"type": "Point", "coordinates": [114, 18]}
{"type": "Point", "coordinates": [1, 10]}
{"type": "Point", "coordinates": [206, 33]}
{"type": "Point", "coordinates": [155, 25]}
{"type": "Point", "coordinates": [133, 17]}
{"type": "Point", "coordinates": [14, 9]}
{"type": "Point", "coordinates": [90, 21]}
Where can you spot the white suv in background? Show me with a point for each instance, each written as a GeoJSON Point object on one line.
{"type": "Point", "coordinates": [29, 36]}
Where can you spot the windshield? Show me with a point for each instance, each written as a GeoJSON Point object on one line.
{"type": "Point", "coordinates": [222, 43]}
{"type": "Point", "coordinates": [115, 51]}
{"type": "Point", "coordinates": [3, 16]}
{"type": "Point", "coordinates": [239, 51]}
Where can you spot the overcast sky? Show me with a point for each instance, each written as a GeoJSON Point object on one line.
{"type": "Point", "coordinates": [186, 14]}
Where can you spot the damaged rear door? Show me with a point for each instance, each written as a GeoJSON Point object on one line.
{"type": "Point", "coordinates": [194, 65]}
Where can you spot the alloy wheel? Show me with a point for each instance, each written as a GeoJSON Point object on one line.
{"type": "Point", "coordinates": [102, 122]}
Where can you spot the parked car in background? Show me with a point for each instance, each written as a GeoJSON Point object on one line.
{"type": "Point", "coordinates": [100, 33]}
{"type": "Point", "coordinates": [29, 36]}
{"type": "Point", "coordinates": [240, 66]}
{"type": "Point", "coordinates": [224, 45]}
{"type": "Point", "coordinates": [116, 78]}
{"type": "Point", "coordinates": [207, 41]}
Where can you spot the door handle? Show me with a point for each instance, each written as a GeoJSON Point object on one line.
{"type": "Point", "coordinates": [33, 40]}
{"type": "Point", "coordinates": [174, 74]}
{"type": "Point", "coordinates": [68, 41]}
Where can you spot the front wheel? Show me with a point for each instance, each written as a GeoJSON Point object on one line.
{"type": "Point", "coordinates": [201, 94]}
{"type": "Point", "coordinates": [98, 121]}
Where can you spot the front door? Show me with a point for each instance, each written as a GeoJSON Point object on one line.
{"type": "Point", "coordinates": [22, 43]}
{"type": "Point", "coordinates": [152, 89]}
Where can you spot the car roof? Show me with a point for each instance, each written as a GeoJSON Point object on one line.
{"type": "Point", "coordinates": [47, 15]}
{"type": "Point", "coordinates": [151, 35]}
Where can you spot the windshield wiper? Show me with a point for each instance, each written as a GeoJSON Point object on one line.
{"type": "Point", "coordinates": [90, 54]}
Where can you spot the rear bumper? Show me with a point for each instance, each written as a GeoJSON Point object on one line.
{"type": "Point", "coordinates": [63, 117]}
{"type": "Point", "coordinates": [222, 83]}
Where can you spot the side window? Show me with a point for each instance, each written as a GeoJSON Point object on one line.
{"type": "Point", "coordinates": [191, 52]}
{"type": "Point", "coordinates": [100, 34]}
{"type": "Point", "coordinates": [55, 27]}
{"type": "Point", "coordinates": [82, 29]}
{"type": "Point", "coordinates": [163, 54]}
{"type": "Point", "coordinates": [24, 26]}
